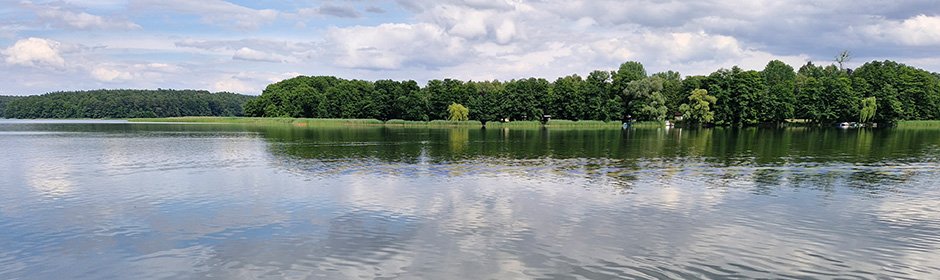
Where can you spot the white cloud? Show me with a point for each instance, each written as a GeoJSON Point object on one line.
{"type": "Point", "coordinates": [921, 30]}
{"type": "Point", "coordinates": [233, 84]}
{"type": "Point", "coordinates": [117, 72]}
{"type": "Point", "coordinates": [35, 52]}
{"type": "Point", "coordinates": [82, 20]}
{"type": "Point", "coordinates": [255, 49]}
{"type": "Point", "coordinates": [393, 46]}
{"type": "Point", "coordinates": [254, 55]}
{"type": "Point", "coordinates": [283, 76]}
{"type": "Point", "coordinates": [106, 74]}
{"type": "Point", "coordinates": [431, 39]}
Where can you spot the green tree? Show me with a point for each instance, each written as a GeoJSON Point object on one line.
{"type": "Point", "coordinates": [646, 101]}
{"type": "Point", "coordinates": [525, 99]}
{"type": "Point", "coordinates": [698, 109]}
{"type": "Point", "coordinates": [486, 101]}
{"type": "Point", "coordinates": [739, 94]}
{"type": "Point", "coordinates": [568, 98]}
{"type": "Point", "coordinates": [778, 104]}
{"type": "Point", "coordinates": [826, 94]}
{"type": "Point", "coordinates": [868, 109]}
{"type": "Point", "coordinates": [458, 112]}
{"type": "Point", "coordinates": [672, 90]}
{"type": "Point", "coordinates": [126, 104]}
{"type": "Point", "coordinates": [600, 104]}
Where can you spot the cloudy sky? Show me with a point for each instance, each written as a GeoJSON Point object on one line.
{"type": "Point", "coordinates": [242, 46]}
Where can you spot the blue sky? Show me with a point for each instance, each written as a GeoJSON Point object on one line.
{"type": "Point", "coordinates": [242, 46]}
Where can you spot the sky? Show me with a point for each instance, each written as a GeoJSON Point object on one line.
{"type": "Point", "coordinates": [242, 46]}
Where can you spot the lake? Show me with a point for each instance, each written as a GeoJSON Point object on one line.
{"type": "Point", "coordinates": [110, 199]}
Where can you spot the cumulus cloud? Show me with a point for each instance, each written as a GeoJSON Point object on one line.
{"type": "Point", "coordinates": [431, 39]}
{"type": "Point", "coordinates": [392, 46]}
{"type": "Point", "coordinates": [249, 82]}
{"type": "Point", "coordinates": [255, 55]}
{"type": "Point", "coordinates": [122, 72]}
{"type": "Point", "coordinates": [106, 74]}
{"type": "Point", "coordinates": [255, 49]}
{"type": "Point", "coordinates": [921, 30]}
{"type": "Point", "coordinates": [35, 52]}
{"type": "Point", "coordinates": [514, 39]}
{"type": "Point", "coordinates": [232, 84]}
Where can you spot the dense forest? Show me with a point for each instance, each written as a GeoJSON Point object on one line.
{"type": "Point", "coordinates": [3, 102]}
{"type": "Point", "coordinates": [125, 104]}
{"type": "Point", "coordinates": [882, 92]}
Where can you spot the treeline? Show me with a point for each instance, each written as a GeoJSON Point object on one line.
{"type": "Point", "coordinates": [126, 104]}
{"type": "Point", "coordinates": [3, 102]}
{"type": "Point", "coordinates": [882, 92]}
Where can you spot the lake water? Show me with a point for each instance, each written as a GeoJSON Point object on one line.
{"type": "Point", "coordinates": [100, 200]}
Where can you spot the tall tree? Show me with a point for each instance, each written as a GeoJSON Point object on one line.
{"type": "Point", "coordinates": [780, 81]}
{"type": "Point", "coordinates": [568, 98]}
{"type": "Point", "coordinates": [698, 108]}
{"type": "Point", "coordinates": [646, 101]}
{"type": "Point", "coordinates": [672, 90]}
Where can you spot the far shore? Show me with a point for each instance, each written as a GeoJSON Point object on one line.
{"type": "Point", "coordinates": [308, 122]}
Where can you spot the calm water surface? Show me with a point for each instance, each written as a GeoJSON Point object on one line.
{"type": "Point", "coordinates": [102, 200]}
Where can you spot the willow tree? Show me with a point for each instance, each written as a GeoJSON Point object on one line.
{"type": "Point", "coordinates": [869, 107]}
{"type": "Point", "coordinates": [458, 112]}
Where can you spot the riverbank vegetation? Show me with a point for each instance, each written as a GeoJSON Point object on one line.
{"type": "Point", "coordinates": [311, 122]}
{"type": "Point", "coordinates": [98, 104]}
{"type": "Point", "coordinates": [919, 124]}
{"type": "Point", "coordinates": [881, 92]}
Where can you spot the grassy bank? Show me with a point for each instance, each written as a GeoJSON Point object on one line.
{"type": "Point", "coordinates": [437, 123]}
{"type": "Point", "coordinates": [394, 123]}
{"type": "Point", "coordinates": [266, 121]}
{"type": "Point", "coordinates": [919, 124]}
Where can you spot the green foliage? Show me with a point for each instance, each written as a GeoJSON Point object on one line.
{"type": "Point", "coordinates": [486, 100]}
{"type": "Point", "coordinates": [559, 123]}
{"type": "Point", "coordinates": [698, 109]}
{"type": "Point", "coordinates": [568, 99]}
{"type": "Point", "coordinates": [817, 94]}
{"type": "Point", "coordinates": [919, 124]}
{"type": "Point", "coordinates": [4, 100]}
{"type": "Point", "coordinates": [600, 103]}
{"type": "Point", "coordinates": [902, 92]}
{"type": "Point", "coordinates": [778, 104]}
{"type": "Point", "coordinates": [672, 90]}
{"type": "Point", "coordinates": [515, 124]}
{"type": "Point", "coordinates": [98, 104]}
{"type": "Point", "coordinates": [869, 107]}
{"type": "Point", "coordinates": [741, 96]}
{"type": "Point", "coordinates": [458, 112]}
{"type": "Point", "coordinates": [826, 94]}
{"type": "Point", "coordinates": [645, 99]}
{"type": "Point", "coordinates": [526, 99]}
{"type": "Point", "coordinates": [628, 72]}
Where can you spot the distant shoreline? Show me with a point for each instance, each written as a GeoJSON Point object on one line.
{"type": "Point", "coordinates": [311, 122]}
{"type": "Point", "coordinates": [308, 122]}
